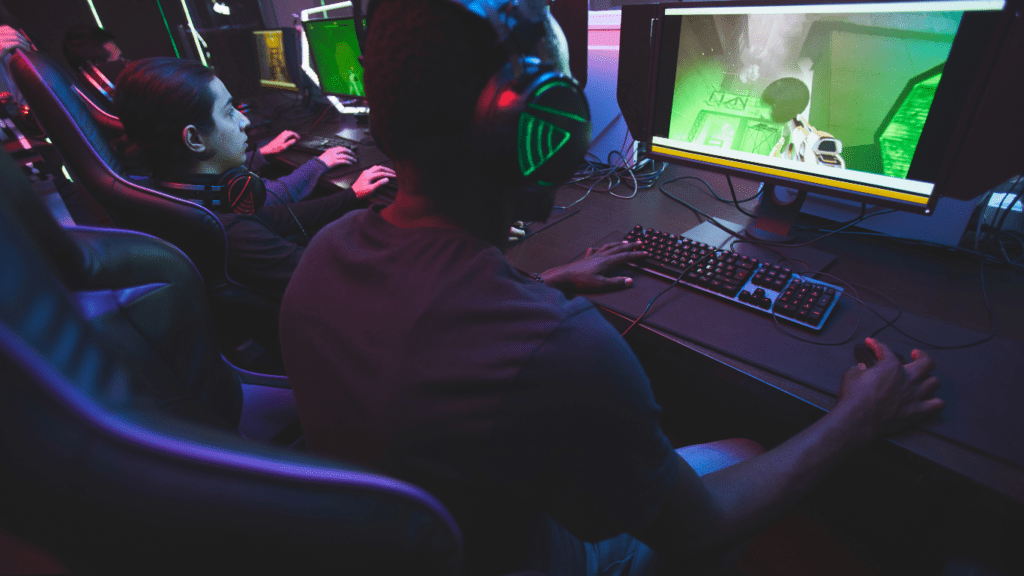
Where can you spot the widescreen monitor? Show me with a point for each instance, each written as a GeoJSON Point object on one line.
{"type": "Point", "coordinates": [335, 51]}
{"type": "Point", "coordinates": [277, 58]}
{"type": "Point", "coordinates": [857, 100]}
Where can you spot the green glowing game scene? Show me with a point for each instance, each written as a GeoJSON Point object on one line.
{"type": "Point", "coordinates": [840, 91]}
{"type": "Point", "coordinates": [336, 53]}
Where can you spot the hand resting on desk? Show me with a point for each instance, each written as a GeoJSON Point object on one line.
{"type": "Point", "coordinates": [588, 273]}
{"type": "Point", "coordinates": [890, 395]}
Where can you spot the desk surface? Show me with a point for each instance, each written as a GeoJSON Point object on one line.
{"type": "Point", "coordinates": [978, 436]}
{"type": "Point", "coordinates": [329, 122]}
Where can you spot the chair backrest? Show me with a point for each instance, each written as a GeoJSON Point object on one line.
{"type": "Point", "coordinates": [65, 117]}
{"type": "Point", "coordinates": [142, 295]}
{"type": "Point", "coordinates": [111, 484]}
{"type": "Point", "coordinates": [110, 124]}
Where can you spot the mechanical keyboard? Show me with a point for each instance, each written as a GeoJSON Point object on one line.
{"type": "Point", "coordinates": [319, 144]}
{"type": "Point", "coordinates": [768, 288]}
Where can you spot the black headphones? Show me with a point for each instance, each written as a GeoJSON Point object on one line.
{"type": "Point", "coordinates": [532, 123]}
{"type": "Point", "coordinates": [237, 190]}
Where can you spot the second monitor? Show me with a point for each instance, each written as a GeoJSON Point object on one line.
{"type": "Point", "coordinates": [277, 58]}
{"type": "Point", "coordinates": [335, 53]}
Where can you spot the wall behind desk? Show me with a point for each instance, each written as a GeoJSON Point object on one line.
{"type": "Point", "coordinates": [609, 132]}
{"type": "Point", "coordinates": [139, 27]}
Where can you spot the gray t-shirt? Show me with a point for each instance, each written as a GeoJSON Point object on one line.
{"type": "Point", "coordinates": [422, 353]}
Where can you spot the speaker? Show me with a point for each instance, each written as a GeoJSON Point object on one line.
{"type": "Point", "coordinates": [636, 64]}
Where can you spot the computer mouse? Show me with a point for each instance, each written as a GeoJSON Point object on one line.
{"type": "Point", "coordinates": [865, 355]}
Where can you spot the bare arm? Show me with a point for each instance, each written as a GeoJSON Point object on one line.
{"type": "Point", "coordinates": [706, 515]}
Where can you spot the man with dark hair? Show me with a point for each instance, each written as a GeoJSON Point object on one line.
{"type": "Point", "coordinates": [413, 347]}
{"type": "Point", "coordinates": [184, 120]}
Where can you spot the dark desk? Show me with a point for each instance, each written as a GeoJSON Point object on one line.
{"type": "Point", "coordinates": [326, 123]}
{"type": "Point", "coordinates": [979, 436]}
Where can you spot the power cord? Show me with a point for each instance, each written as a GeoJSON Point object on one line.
{"type": "Point", "coordinates": [615, 171]}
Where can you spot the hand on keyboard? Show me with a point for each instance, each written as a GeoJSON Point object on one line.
{"type": "Point", "coordinates": [280, 143]}
{"type": "Point", "coordinates": [371, 179]}
{"type": "Point", "coordinates": [337, 156]}
{"type": "Point", "coordinates": [588, 273]}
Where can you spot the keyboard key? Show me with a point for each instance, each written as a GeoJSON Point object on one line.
{"type": "Point", "coordinates": [739, 278]}
{"type": "Point", "coordinates": [786, 309]}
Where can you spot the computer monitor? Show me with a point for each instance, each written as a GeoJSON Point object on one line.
{"type": "Point", "coordinates": [866, 101]}
{"type": "Point", "coordinates": [277, 58]}
{"type": "Point", "coordinates": [335, 52]}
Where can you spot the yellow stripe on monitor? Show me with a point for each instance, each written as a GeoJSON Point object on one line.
{"type": "Point", "coordinates": [819, 180]}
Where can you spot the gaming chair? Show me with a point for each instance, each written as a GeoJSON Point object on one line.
{"type": "Point", "coordinates": [240, 312]}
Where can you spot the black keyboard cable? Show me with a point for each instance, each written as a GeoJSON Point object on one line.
{"type": "Point", "coordinates": [669, 287]}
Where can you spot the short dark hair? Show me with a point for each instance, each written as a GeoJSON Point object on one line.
{"type": "Point", "coordinates": [155, 99]}
{"type": "Point", "coordinates": [426, 63]}
{"type": "Point", "coordinates": [84, 43]}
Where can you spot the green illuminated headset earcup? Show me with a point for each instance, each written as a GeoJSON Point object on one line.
{"type": "Point", "coordinates": [533, 128]}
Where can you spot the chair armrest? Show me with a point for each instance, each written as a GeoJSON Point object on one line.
{"type": "Point", "coordinates": [257, 379]}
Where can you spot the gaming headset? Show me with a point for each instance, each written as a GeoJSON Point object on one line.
{"type": "Point", "coordinates": [532, 122]}
{"type": "Point", "coordinates": [237, 190]}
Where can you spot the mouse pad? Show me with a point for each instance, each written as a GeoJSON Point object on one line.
{"type": "Point", "coordinates": [980, 384]}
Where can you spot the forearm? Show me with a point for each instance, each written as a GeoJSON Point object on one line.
{"type": "Point", "coordinates": [708, 515]}
{"type": "Point", "coordinates": [754, 493]}
{"type": "Point", "coordinates": [704, 516]}
{"type": "Point", "coordinates": [297, 185]}
{"type": "Point", "coordinates": [255, 160]}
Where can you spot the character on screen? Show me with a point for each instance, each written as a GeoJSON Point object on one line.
{"type": "Point", "coordinates": [347, 58]}
{"type": "Point", "coordinates": [788, 99]}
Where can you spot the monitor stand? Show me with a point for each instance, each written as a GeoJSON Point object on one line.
{"type": "Point", "coordinates": [776, 213]}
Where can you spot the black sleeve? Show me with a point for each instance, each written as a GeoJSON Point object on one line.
{"type": "Point", "coordinates": [581, 438]}
{"type": "Point", "coordinates": [258, 256]}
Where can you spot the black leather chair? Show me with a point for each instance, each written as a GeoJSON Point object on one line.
{"type": "Point", "coordinates": [240, 312]}
{"type": "Point", "coordinates": [114, 465]}
{"type": "Point", "coordinates": [145, 297]}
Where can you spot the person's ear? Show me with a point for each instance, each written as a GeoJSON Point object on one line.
{"type": "Point", "coordinates": [193, 139]}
